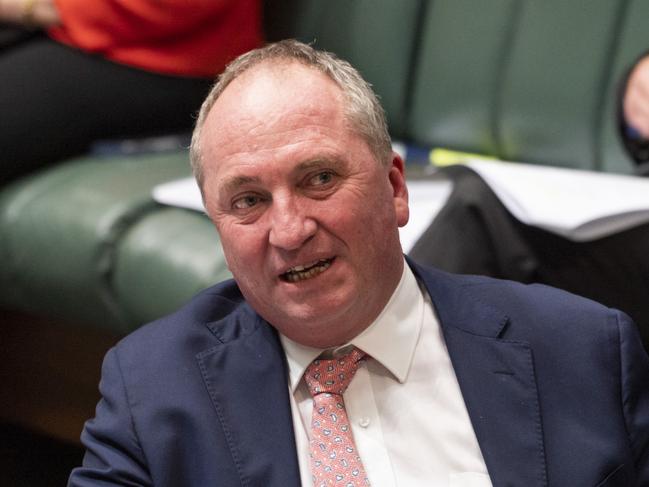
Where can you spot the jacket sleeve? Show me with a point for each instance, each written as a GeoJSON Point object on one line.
{"type": "Point", "coordinates": [634, 372]}
{"type": "Point", "coordinates": [113, 453]}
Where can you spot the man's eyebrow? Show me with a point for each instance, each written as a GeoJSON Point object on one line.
{"type": "Point", "coordinates": [233, 183]}
{"type": "Point", "coordinates": [319, 162]}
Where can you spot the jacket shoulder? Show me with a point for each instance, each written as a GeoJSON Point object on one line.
{"type": "Point", "coordinates": [530, 310]}
{"type": "Point", "coordinates": [189, 325]}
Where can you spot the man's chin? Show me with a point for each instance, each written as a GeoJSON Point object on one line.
{"type": "Point", "coordinates": [317, 326]}
{"type": "Point", "coordinates": [317, 336]}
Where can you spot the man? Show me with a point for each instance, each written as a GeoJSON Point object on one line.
{"type": "Point", "coordinates": [448, 380]}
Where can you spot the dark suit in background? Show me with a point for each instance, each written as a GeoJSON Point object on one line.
{"type": "Point", "coordinates": [475, 234]}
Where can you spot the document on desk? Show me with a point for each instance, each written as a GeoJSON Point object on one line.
{"type": "Point", "coordinates": [579, 205]}
{"type": "Point", "coordinates": [183, 193]}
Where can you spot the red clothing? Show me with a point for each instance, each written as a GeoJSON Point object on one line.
{"type": "Point", "coordinates": [194, 38]}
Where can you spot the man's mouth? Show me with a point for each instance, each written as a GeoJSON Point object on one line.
{"type": "Point", "coordinates": [302, 272]}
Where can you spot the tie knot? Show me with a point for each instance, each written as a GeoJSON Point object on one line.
{"type": "Point", "coordinates": [333, 375]}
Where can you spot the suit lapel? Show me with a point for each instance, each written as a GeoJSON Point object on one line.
{"type": "Point", "coordinates": [245, 376]}
{"type": "Point", "coordinates": [497, 381]}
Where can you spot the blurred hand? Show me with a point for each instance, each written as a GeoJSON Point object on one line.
{"type": "Point", "coordinates": [40, 13]}
{"type": "Point", "coordinates": [636, 98]}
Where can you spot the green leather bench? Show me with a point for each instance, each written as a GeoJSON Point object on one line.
{"type": "Point", "coordinates": [84, 243]}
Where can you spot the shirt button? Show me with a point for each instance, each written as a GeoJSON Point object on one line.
{"type": "Point", "coordinates": [364, 422]}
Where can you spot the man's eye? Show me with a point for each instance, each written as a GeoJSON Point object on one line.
{"type": "Point", "coordinates": [245, 202]}
{"type": "Point", "coordinates": [322, 178]}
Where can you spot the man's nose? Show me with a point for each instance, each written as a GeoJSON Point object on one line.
{"type": "Point", "coordinates": [290, 226]}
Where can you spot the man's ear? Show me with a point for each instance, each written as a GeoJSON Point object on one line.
{"type": "Point", "coordinates": [397, 176]}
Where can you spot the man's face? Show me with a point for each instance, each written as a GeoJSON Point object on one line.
{"type": "Point", "coordinates": [307, 217]}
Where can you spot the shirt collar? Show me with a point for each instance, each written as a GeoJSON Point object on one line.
{"type": "Point", "coordinates": [390, 339]}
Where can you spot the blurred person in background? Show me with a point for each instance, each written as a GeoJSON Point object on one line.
{"type": "Point", "coordinates": [73, 72]}
{"type": "Point", "coordinates": [634, 116]}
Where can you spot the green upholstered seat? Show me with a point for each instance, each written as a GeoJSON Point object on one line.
{"type": "Point", "coordinates": [525, 81]}
{"type": "Point", "coordinates": [554, 82]}
{"type": "Point", "coordinates": [63, 230]}
{"type": "Point", "coordinates": [457, 77]}
{"type": "Point", "coordinates": [163, 260]}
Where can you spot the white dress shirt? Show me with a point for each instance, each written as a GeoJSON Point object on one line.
{"type": "Point", "coordinates": [409, 421]}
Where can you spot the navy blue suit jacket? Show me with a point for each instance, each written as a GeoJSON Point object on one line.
{"type": "Point", "coordinates": [557, 389]}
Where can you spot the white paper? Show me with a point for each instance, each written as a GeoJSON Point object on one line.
{"type": "Point", "coordinates": [425, 199]}
{"type": "Point", "coordinates": [183, 193]}
{"type": "Point", "coordinates": [579, 205]}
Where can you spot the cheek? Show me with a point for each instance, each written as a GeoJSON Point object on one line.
{"type": "Point", "coordinates": [242, 246]}
{"type": "Point", "coordinates": [361, 218]}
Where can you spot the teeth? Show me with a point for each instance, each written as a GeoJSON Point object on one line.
{"type": "Point", "coordinates": [300, 272]}
{"type": "Point", "coordinates": [300, 268]}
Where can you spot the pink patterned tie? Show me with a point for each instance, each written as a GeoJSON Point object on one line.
{"type": "Point", "coordinates": [334, 459]}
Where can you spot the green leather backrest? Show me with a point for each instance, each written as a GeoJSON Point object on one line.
{"type": "Point", "coordinates": [455, 89]}
{"type": "Point", "coordinates": [61, 230]}
{"type": "Point", "coordinates": [525, 80]}
{"type": "Point", "coordinates": [555, 79]}
{"type": "Point", "coordinates": [376, 36]}
{"type": "Point", "coordinates": [162, 261]}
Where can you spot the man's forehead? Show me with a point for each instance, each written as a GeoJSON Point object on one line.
{"type": "Point", "coordinates": [276, 70]}
{"type": "Point", "coordinates": [271, 100]}
{"type": "Point", "coordinates": [284, 83]}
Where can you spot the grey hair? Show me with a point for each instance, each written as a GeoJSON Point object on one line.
{"type": "Point", "coordinates": [362, 109]}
